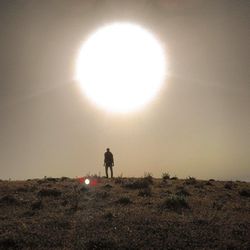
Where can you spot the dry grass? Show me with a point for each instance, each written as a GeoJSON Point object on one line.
{"type": "Point", "coordinates": [124, 213]}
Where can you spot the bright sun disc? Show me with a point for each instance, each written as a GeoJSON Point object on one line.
{"type": "Point", "coordinates": [121, 67]}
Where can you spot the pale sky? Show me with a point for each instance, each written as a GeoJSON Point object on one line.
{"type": "Point", "coordinates": [199, 124]}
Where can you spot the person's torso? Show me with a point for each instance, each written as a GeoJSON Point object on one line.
{"type": "Point", "coordinates": [108, 157]}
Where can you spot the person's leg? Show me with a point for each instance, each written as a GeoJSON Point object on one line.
{"type": "Point", "coordinates": [111, 170]}
{"type": "Point", "coordinates": [106, 169]}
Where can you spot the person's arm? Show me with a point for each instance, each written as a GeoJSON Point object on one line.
{"type": "Point", "coordinates": [112, 160]}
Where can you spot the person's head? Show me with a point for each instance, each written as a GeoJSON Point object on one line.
{"type": "Point", "coordinates": [107, 149]}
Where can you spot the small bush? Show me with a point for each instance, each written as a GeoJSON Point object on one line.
{"type": "Point", "coordinates": [199, 185]}
{"type": "Point", "coordinates": [174, 178]}
{"type": "Point", "coordinates": [108, 216]}
{"type": "Point", "coordinates": [22, 189]}
{"type": "Point", "coordinates": [102, 195]}
{"type": "Point", "coordinates": [209, 183]}
{"type": "Point", "coordinates": [175, 203]}
{"type": "Point", "coordinates": [49, 192]}
{"type": "Point", "coordinates": [124, 201]}
{"type": "Point", "coordinates": [65, 178]}
{"type": "Point", "coordinates": [137, 184]}
{"type": "Point", "coordinates": [9, 200]}
{"type": "Point", "coordinates": [182, 192]}
{"type": "Point", "coordinates": [52, 179]}
{"type": "Point", "coordinates": [190, 181]}
{"type": "Point", "coordinates": [107, 186]}
{"type": "Point", "coordinates": [165, 176]}
{"type": "Point", "coordinates": [228, 185]}
{"type": "Point", "coordinates": [149, 178]}
{"type": "Point", "coordinates": [245, 192]}
{"type": "Point", "coordinates": [36, 205]}
{"type": "Point", "coordinates": [146, 192]}
{"type": "Point", "coordinates": [118, 180]}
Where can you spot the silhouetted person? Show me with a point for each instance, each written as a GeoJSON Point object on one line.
{"type": "Point", "coordinates": [108, 162]}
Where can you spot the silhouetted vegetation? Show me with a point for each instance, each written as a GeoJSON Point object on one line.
{"type": "Point", "coordinates": [174, 178]}
{"type": "Point", "coordinates": [9, 199]}
{"type": "Point", "coordinates": [245, 192]}
{"type": "Point", "coordinates": [230, 185]}
{"type": "Point", "coordinates": [124, 200]}
{"type": "Point", "coordinates": [190, 181]}
{"type": "Point", "coordinates": [137, 184]}
{"type": "Point", "coordinates": [49, 192]}
{"type": "Point", "coordinates": [36, 205]}
{"type": "Point", "coordinates": [146, 192]}
{"type": "Point", "coordinates": [175, 203]}
{"type": "Point", "coordinates": [149, 178]}
{"type": "Point", "coordinates": [165, 176]}
{"type": "Point", "coordinates": [182, 192]}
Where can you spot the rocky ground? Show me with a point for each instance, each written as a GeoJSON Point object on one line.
{"type": "Point", "coordinates": [124, 213]}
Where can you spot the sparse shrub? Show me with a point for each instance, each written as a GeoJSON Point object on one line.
{"type": "Point", "coordinates": [64, 202]}
{"type": "Point", "coordinates": [175, 203]}
{"type": "Point", "coordinates": [52, 179]}
{"type": "Point", "coordinates": [95, 176]}
{"type": "Point", "coordinates": [199, 185]}
{"type": "Point", "coordinates": [149, 178]}
{"type": "Point", "coordinates": [137, 184]}
{"type": "Point", "coordinates": [146, 192]}
{"type": "Point", "coordinates": [182, 192]}
{"type": "Point", "coordinates": [199, 221]}
{"type": "Point", "coordinates": [22, 189]}
{"type": "Point", "coordinates": [108, 186]}
{"type": "Point", "coordinates": [165, 176]}
{"type": "Point", "coordinates": [49, 192]}
{"type": "Point", "coordinates": [190, 181]}
{"type": "Point", "coordinates": [118, 180]}
{"type": "Point", "coordinates": [124, 201]}
{"type": "Point", "coordinates": [102, 195]}
{"type": "Point", "coordinates": [218, 205]}
{"type": "Point", "coordinates": [211, 180]}
{"type": "Point", "coordinates": [28, 214]}
{"type": "Point", "coordinates": [9, 200]}
{"type": "Point", "coordinates": [65, 178]}
{"type": "Point", "coordinates": [209, 183]}
{"type": "Point", "coordinates": [174, 178]}
{"type": "Point", "coordinates": [245, 192]}
{"type": "Point", "coordinates": [228, 185]}
{"type": "Point", "coordinates": [108, 215]}
{"type": "Point", "coordinates": [36, 205]}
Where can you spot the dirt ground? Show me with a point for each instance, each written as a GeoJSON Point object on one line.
{"type": "Point", "coordinates": [124, 213]}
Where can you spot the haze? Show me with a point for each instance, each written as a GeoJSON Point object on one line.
{"type": "Point", "coordinates": [199, 125]}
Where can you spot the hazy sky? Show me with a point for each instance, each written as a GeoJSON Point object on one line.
{"type": "Point", "coordinates": [199, 125]}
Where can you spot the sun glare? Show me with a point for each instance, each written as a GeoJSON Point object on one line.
{"type": "Point", "coordinates": [121, 67]}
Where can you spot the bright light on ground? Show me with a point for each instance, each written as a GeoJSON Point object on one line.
{"type": "Point", "coordinates": [87, 181]}
{"type": "Point", "coordinates": [121, 67]}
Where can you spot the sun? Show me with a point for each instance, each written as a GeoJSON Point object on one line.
{"type": "Point", "coordinates": [121, 67]}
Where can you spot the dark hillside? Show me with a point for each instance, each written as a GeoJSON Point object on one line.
{"type": "Point", "coordinates": [124, 214]}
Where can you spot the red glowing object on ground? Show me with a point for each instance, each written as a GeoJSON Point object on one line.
{"type": "Point", "coordinates": [87, 181]}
